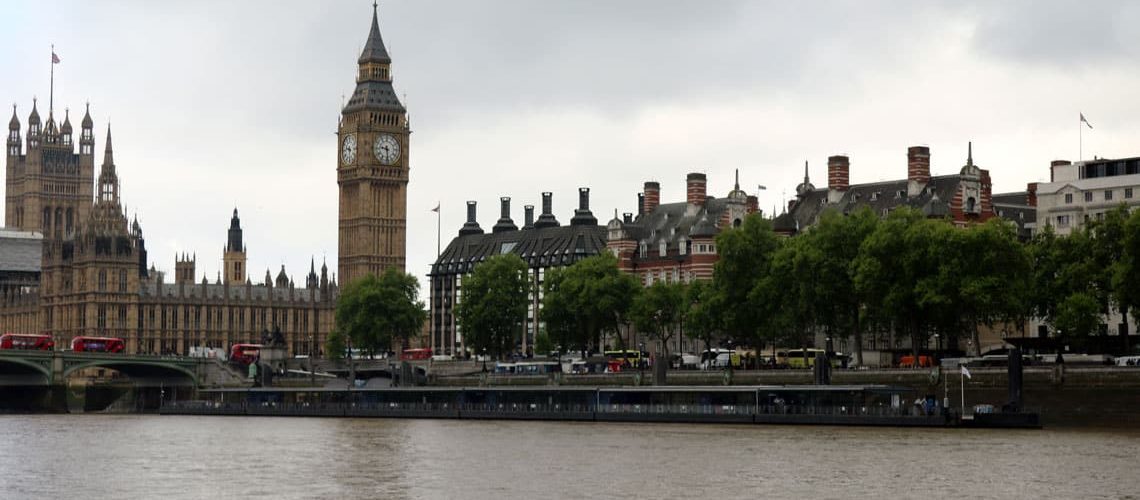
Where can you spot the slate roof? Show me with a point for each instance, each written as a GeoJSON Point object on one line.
{"type": "Point", "coordinates": [880, 197]}
{"type": "Point", "coordinates": [1015, 198]}
{"type": "Point", "coordinates": [374, 95]}
{"type": "Point", "coordinates": [672, 221]}
{"type": "Point", "coordinates": [20, 251]}
{"type": "Point", "coordinates": [374, 50]}
{"type": "Point", "coordinates": [544, 247]}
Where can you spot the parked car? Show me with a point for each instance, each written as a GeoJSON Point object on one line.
{"type": "Point", "coordinates": [685, 361]}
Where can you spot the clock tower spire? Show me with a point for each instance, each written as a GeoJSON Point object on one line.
{"type": "Point", "coordinates": [372, 167]}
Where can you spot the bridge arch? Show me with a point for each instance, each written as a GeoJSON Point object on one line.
{"type": "Point", "coordinates": [135, 368]}
{"type": "Point", "coordinates": [27, 365]}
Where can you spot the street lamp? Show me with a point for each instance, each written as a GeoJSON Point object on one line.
{"type": "Point", "coordinates": [640, 360]}
{"type": "Point", "coordinates": [312, 370]}
{"type": "Point", "coordinates": [484, 360]}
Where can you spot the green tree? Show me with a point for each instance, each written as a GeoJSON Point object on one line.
{"type": "Point", "coordinates": [745, 259]}
{"type": "Point", "coordinates": [785, 296]}
{"type": "Point", "coordinates": [1065, 274]}
{"type": "Point", "coordinates": [658, 311]}
{"type": "Point", "coordinates": [542, 343]}
{"type": "Point", "coordinates": [1126, 272]}
{"type": "Point", "coordinates": [705, 319]}
{"type": "Point", "coordinates": [587, 299]}
{"type": "Point", "coordinates": [901, 274]}
{"type": "Point", "coordinates": [838, 239]}
{"type": "Point", "coordinates": [494, 304]}
{"type": "Point", "coordinates": [372, 312]}
{"type": "Point", "coordinates": [993, 272]}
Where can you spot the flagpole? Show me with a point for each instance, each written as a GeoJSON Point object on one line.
{"type": "Point", "coordinates": [1080, 140]}
{"type": "Point", "coordinates": [51, 85]}
{"type": "Point", "coordinates": [438, 233]}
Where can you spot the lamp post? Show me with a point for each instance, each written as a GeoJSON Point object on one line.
{"type": "Point", "coordinates": [484, 360]}
{"type": "Point", "coordinates": [640, 361]}
{"type": "Point", "coordinates": [312, 369]}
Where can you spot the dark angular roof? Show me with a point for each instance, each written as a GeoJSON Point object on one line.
{"type": "Point", "coordinates": [20, 251]}
{"type": "Point", "coordinates": [541, 247]}
{"type": "Point", "coordinates": [1015, 198]}
{"type": "Point", "coordinates": [672, 221]}
{"type": "Point", "coordinates": [374, 50]}
{"type": "Point", "coordinates": [880, 197]}
{"type": "Point", "coordinates": [374, 95]}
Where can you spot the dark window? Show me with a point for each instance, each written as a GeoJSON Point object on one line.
{"type": "Point", "coordinates": [1108, 195]}
{"type": "Point", "coordinates": [1088, 195]}
{"type": "Point", "coordinates": [1068, 197]}
{"type": "Point", "coordinates": [1127, 192]}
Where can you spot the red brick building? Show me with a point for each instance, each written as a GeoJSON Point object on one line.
{"type": "Point", "coordinates": [963, 197]}
{"type": "Point", "coordinates": [675, 242]}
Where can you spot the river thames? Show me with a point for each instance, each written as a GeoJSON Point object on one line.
{"type": "Point", "coordinates": [175, 457]}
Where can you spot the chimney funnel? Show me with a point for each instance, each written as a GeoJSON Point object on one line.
{"type": "Point", "coordinates": [627, 217]}
{"type": "Point", "coordinates": [528, 217]}
{"type": "Point", "coordinates": [472, 225]}
{"type": "Point", "coordinates": [917, 169]}
{"type": "Point", "coordinates": [652, 196]}
{"type": "Point", "coordinates": [838, 173]}
{"type": "Point", "coordinates": [695, 188]}
{"type": "Point", "coordinates": [1031, 194]}
{"type": "Point", "coordinates": [505, 223]}
{"type": "Point", "coordinates": [546, 219]}
{"type": "Point", "coordinates": [640, 204]}
{"type": "Point", "coordinates": [583, 216]}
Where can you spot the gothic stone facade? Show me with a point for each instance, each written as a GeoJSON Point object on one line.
{"type": "Point", "coordinates": [372, 169]}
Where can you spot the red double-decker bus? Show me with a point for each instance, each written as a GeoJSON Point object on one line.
{"type": "Point", "coordinates": [245, 354]}
{"type": "Point", "coordinates": [98, 344]}
{"type": "Point", "coordinates": [27, 342]}
{"type": "Point", "coordinates": [413, 354]}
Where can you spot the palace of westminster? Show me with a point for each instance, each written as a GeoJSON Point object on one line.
{"type": "Point", "coordinates": [71, 263]}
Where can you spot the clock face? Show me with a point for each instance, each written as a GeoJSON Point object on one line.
{"type": "Point", "coordinates": [348, 154]}
{"type": "Point", "coordinates": [387, 149]}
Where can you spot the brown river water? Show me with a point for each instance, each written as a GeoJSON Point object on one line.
{"type": "Point", "coordinates": [176, 457]}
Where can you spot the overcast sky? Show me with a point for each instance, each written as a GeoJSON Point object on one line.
{"type": "Point", "coordinates": [218, 103]}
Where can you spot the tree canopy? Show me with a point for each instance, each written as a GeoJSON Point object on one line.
{"type": "Point", "coordinates": [493, 306]}
{"type": "Point", "coordinates": [583, 301]}
{"type": "Point", "coordinates": [372, 312]}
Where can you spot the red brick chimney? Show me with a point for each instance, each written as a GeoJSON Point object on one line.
{"type": "Point", "coordinates": [1031, 190]}
{"type": "Point", "coordinates": [695, 189]}
{"type": "Point", "coordinates": [917, 169]}
{"type": "Point", "coordinates": [753, 204]}
{"type": "Point", "coordinates": [652, 196]}
{"type": "Point", "coordinates": [838, 173]}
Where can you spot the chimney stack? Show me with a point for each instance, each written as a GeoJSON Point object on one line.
{"type": "Point", "coordinates": [528, 216]}
{"type": "Point", "coordinates": [546, 219]}
{"type": "Point", "coordinates": [753, 204]}
{"type": "Point", "coordinates": [1053, 168]}
{"type": "Point", "coordinates": [640, 204]}
{"type": "Point", "coordinates": [627, 218]}
{"type": "Point", "coordinates": [583, 216]}
{"type": "Point", "coordinates": [652, 194]}
{"type": "Point", "coordinates": [838, 173]}
{"type": "Point", "coordinates": [1031, 194]}
{"type": "Point", "coordinates": [472, 225]}
{"type": "Point", "coordinates": [695, 189]}
{"type": "Point", "coordinates": [505, 223]}
{"type": "Point", "coordinates": [917, 169]}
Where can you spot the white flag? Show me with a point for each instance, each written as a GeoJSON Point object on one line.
{"type": "Point", "coordinates": [966, 372]}
{"type": "Point", "coordinates": [1085, 121]}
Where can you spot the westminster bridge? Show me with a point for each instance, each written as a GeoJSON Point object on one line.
{"type": "Point", "coordinates": [54, 380]}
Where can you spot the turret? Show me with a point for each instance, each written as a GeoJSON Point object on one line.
{"type": "Point", "coordinates": [34, 127]}
{"type": "Point", "coordinates": [108, 179]}
{"type": "Point", "coordinates": [65, 129]}
{"type": "Point", "coordinates": [86, 134]}
{"type": "Point", "coordinates": [14, 134]}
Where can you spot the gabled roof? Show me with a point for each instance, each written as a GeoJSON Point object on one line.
{"type": "Point", "coordinates": [670, 222]}
{"type": "Point", "coordinates": [880, 197]}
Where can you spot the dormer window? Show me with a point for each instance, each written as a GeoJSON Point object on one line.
{"type": "Point", "coordinates": [107, 192]}
{"type": "Point", "coordinates": [643, 250]}
{"type": "Point", "coordinates": [663, 248]}
{"type": "Point", "coordinates": [875, 196]}
{"type": "Point", "coordinates": [682, 247]}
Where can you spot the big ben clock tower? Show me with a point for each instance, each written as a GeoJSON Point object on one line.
{"type": "Point", "coordinates": [372, 168]}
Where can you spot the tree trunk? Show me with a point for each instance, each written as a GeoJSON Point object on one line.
{"type": "Point", "coordinates": [858, 334]}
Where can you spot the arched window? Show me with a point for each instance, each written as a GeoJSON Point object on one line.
{"type": "Point", "coordinates": [970, 204]}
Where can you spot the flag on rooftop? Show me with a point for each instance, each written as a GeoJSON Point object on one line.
{"type": "Point", "coordinates": [54, 58]}
{"type": "Point", "coordinates": [436, 209]}
{"type": "Point", "coordinates": [1085, 120]}
{"type": "Point", "coordinates": [966, 372]}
